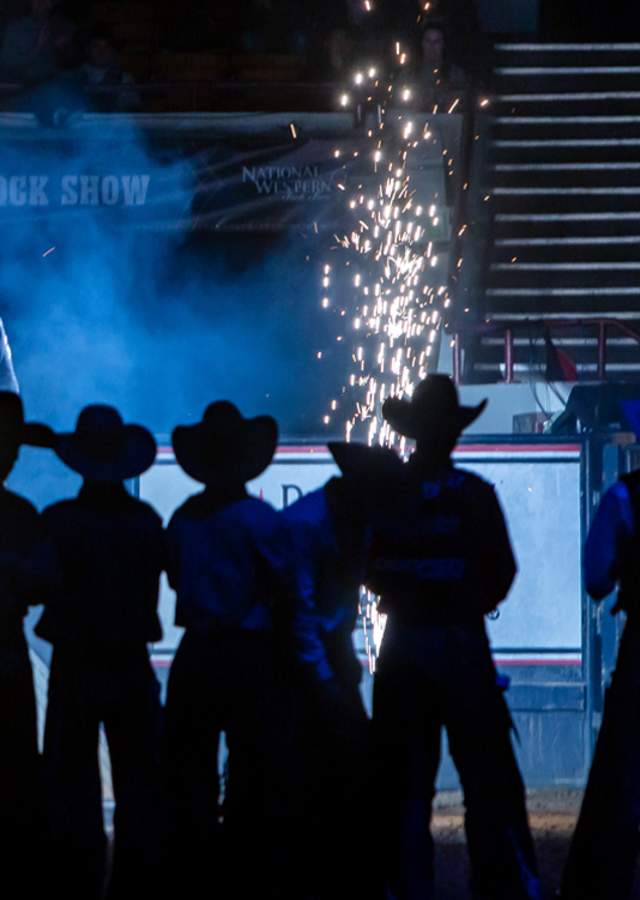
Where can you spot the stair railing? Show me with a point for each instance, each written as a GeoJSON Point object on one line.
{"type": "Point", "coordinates": [507, 329]}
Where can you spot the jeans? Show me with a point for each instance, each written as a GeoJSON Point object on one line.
{"type": "Point", "coordinates": [428, 678]}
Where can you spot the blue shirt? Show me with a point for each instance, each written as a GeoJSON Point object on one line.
{"type": "Point", "coordinates": [610, 532]}
{"type": "Point", "coordinates": [228, 562]}
{"type": "Point", "coordinates": [110, 548]}
{"type": "Point", "coordinates": [327, 599]}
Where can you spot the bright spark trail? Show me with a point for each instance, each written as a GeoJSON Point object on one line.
{"type": "Point", "coordinates": [391, 308]}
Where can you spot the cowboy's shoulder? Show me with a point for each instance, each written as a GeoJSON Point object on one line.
{"type": "Point", "coordinates": [16, 503]}
{"type": "Point", "coordinates": [478, 492]}
{"type": "Point", "coordinates": [145, 511]}
{"type": "Point", "coordinates": [305, 508]}
{"type": "Point", "coordinates": [255, 508]}
{"type": "Point", "coordinates": [471, 480]}
{"type": "Point", "coordinates": [59, 509]}
{"type": "Point", "coordinates": [18, 516]}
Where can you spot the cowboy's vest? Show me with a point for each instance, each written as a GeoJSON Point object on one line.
{"type": "Point", "coordinates": [629, 593]}
{"type": "Point", "coordinates": [422, 553]}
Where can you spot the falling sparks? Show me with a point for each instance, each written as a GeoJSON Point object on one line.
{"type": "Point", "coordinates": [385, 287]}
{"type": "Point", "coordinates": [393, 287]}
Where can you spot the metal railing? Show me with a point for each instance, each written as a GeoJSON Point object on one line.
{"type": "Point", "coordinates": [507, 330]}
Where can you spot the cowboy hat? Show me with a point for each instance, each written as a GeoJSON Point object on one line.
{"type": "Point", "coordinates": [362, 462]}
{"type": "Point", "coordinates": [14, 431]}
{"type": "Point", "coordinates": [103, 448]}
{"type": "Point", "coordinates": [225, 445]}
{"type": "Point", "coordinates": [433, 405]}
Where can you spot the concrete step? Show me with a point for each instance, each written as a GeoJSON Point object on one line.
{"type": "Point", "coordinates": [566, 201]}
{"type": "Point", "coordinates": [513, 127]}
{"type": "Point", "coordinates": [581, 249]}
{"type": "Point", "coordinates": [566, 103]}
{"type": "Point", "coordinates": [607, 223]}
{"type": "Point", "coordinates": [547, 149]}
{"type": "Point", "coordinates": [574, 276]}
{"type": "Point", "coordinates": [558, 176]}
{"type": "Point", "coordinates": [566, 80]}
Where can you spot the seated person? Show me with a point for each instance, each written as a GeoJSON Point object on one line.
{"type": "Point", "coordinates": [37, 46]}
{"type": "Point", "coordinates": [102, 68]}
{"type": "Point", "coordinates": [437, 70]}
{"type": "Point", "coordinates": [437, 74]}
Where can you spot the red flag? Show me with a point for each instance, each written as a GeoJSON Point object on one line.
{"type": "Point", "coordinates": [559, 365]}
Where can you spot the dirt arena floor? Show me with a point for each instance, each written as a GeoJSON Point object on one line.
{"type": "Point", "coordinates": [552, 815]}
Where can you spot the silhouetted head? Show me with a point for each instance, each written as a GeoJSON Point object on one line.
{"type": "Point", "coordinates": [225, 449]}
{"type": "Point", "coordinates": [433, 417]}
{"type": "Point", "coordinates": [103, 449]}
{"type": "Point", "coordinates": [370, 477]}
{"type": "Point", "coordinates": [14, 432]}
{"type": "Point", "coordinates": [42, 8]}
{"type": "Point", "coordinates": [433, 46]}
{"type": "Point", "coordinates": [102, 49]}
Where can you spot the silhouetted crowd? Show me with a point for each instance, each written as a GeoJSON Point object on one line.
{"type": "Point", "coordinates": [316, 800]}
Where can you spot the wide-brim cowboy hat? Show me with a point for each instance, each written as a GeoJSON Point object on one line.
{"type": "Point", "coordinates": [103, 448]}
{"type": "Point", "coordinates": [434, 405]}
{"type": "Point", "coordinates": [14, 431]}
{"type": "Point", "coordinates": [225, 446]}
{"type": "Point", "coordinates": [361, 462]}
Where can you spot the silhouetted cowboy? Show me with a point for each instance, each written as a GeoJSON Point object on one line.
{"type": "Point", "coordinates": [230, 564]}
{"type": "Point", "coordinates": [441, 559]}
{"type": "Point", "coordinates": [329, 533]}
{"type": "Point", "coordinates": [112, 551]}
{"type": "Point", "coordinates": [24, 570]}
{"type": "Point", "coordinates": [604, 850]}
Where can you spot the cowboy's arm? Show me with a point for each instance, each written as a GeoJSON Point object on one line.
{"type": "Point", "coordinates": [172, 552]}
{"type": "Point", "coordinates": [610, 532]}
{"type": "Point", "coordinates": [306, 627]}
{"type": "Point", "coordinates": [293, 554]}
{"type": "Point", "coordinates": [496, 558]}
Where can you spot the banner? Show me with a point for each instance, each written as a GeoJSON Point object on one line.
{"type": "Point", "coordinates": [237, 181]}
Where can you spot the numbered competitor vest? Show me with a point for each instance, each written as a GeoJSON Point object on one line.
{"type": "Point", "coordinates": [422, 556]}
{"type": "Point", "coordinates": [629, 593]}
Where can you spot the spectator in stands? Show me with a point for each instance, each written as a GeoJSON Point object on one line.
{"type": "Point", "coordinates": [340, 29]}
{"type": "Point", "coordinates": [438, 76]}
{"type": "Point", "coordinates": [37, 46]}
{"type": "Point", "coordinates": [340, 50]}
{"type": "Point", "coordinates": [466, 44]}
{"type": "Point", "coordinates": [102, 69]}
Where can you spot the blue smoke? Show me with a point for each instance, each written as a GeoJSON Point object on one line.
{"type": "Point", "coordinates": [99, 308]}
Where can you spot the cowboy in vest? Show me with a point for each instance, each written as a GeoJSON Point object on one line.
{"type": "Point", "coordinates": [604, 850]}
{"type": "Point", "coordinates": [440, 560]}
{"type": "Point", "coordinates": [24, 570]}
{"type": "Point", "coordinates": [111, 550]}
{"type": "Point", "coordinates": [329, 533]}
{"type": "Point", "coordinates": [231, 566]}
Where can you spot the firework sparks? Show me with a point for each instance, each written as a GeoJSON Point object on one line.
{"type": "Point", "coordinates": [395, 294]}
{"type": "Point", "coordinates": [388, 274]}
